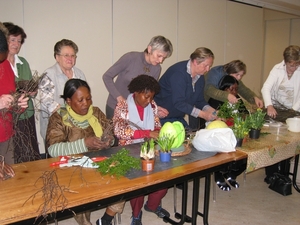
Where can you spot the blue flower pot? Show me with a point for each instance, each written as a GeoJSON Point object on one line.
{"type": "Point", "coordinates": [165, 156]}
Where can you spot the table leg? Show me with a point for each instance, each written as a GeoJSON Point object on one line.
{"type": "Point", "coordinates": [183, 216]}
{"type": "Point", "coordinates": [295, 171]}
{"type": "Point", "coordinates": [204, 215]}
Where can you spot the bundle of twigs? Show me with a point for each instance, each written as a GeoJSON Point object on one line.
{"type": "Point", "coordinates": [28, 86]}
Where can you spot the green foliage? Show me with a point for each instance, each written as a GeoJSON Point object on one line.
{"type": "Point", "coordinates": [257, 119]}
{"type": "Point", "coordinates": [228, 110]}
{"type": "Point", "coordinates": [240, 127]}
{"type": "Point", "coordinates": [118, 164]}
{"type": "Point", "coordinates": [165, 142]}
{"type": "Point", "coordinates": [148, 153]}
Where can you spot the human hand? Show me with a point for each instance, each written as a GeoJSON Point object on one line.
{"type": "Point", "coordinates": [271, 111]}
{"type": "Point", "coordinates": [162, 112]}
{"type": "Point", "coordinates": [208, 115]}
{"type": "Point", "coordinates": [96, 143]}
{"type": "Point", "coordinates": [6, 101]}
{"type": "Point", "coordinates": [232, 99]}
{"type": "Point", "coordinates": [154, 134]}
{"type": "Point", "coordinates": [23, 101]}
{"type": "Point", "coordinates": [6, 171]}
{"type": "Point", "coordinates": [120, 99]}
{"type": "Point", "coordinates": [259, 103]}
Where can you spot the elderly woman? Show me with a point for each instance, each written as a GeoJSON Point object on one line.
{"type": "Point", "coordinates": [25, 139]}
{"type": "Point", "coordinates": [130, 66]}
{"type": "Point", "coordinates": [77, 128]}
{"type": "Point", "coordinates": [51, 87]}
{"type": "Point", "coordinates": [136, 119]}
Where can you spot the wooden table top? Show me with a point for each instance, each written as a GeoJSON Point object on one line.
{"type": "Point", "coordinates": [81, 185]}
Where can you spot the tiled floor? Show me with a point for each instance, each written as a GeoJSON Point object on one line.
{"type": "Point", "coordinates": [252, 204]}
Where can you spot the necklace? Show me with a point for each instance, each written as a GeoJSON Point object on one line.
{"type": "Point", "coordinates": [289, 75]}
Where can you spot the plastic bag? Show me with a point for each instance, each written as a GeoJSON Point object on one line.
{"type": "Point", "coordinates": [215, 140]}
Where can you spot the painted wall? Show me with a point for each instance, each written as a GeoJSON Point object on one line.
{"type": "Point", "coordinates": [106, 29]}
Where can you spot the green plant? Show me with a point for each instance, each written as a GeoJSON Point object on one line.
{"type": "Point", "coordinates": [148, 153]}
{"type": "Point", "coordinates": [228, 110]}
{"type": "Point", "coordinates": [118, 164]}
{"type": "Point", "coordinates": [257, 119]}
{"type": "Point", "coordinates": [165, 142]}
{"type": "Point", "coordinates": [240, 127]}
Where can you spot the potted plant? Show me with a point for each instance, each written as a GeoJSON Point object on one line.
{"type": "Point", "coordinates": [240, 128]}
{"type": "Point", "coordinates": [256, 122]}
{"type": "Point", "coordinates": [165, 143]}
{"type": "Point", "coordinates": [147, 155]}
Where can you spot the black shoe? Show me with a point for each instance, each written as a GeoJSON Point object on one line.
{"type": "Point", "coordinates": [233, 182]}
{"type": "Point", "coordinates": [160, 212]}
{"type": "Point", "coordinates": [223, 186]}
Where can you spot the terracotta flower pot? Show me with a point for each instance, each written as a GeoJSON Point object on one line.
{"type": "Point", "coordinates": [148, 164]}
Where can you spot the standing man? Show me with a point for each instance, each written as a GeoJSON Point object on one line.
{"type": "Point", "coordinates": [182, 88]}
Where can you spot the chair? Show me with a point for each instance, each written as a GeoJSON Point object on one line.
{"type": "Point", "coordinates": [117, 219]}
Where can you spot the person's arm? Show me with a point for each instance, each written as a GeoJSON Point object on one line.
{"type": "Point", "coordinates": [216, 93]}
{"type": "Point", "coordinates": [112, 72]}
{"type": "Point", "coordinates": [246, 93]}
{"type": "Point", "coordinates": [57, 141]}
{"type": "Point", "coordinates": [268, 87]}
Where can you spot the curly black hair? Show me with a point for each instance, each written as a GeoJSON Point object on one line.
{"type": "Point", "coordinates": [143, 83]}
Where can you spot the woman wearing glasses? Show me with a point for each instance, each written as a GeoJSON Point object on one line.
{"type": "Point", "coordinates": [52, 85]}
{"type": "Point", "coordinates": [281, 89]}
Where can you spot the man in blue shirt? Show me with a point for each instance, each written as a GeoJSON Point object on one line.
{"type": "Point", "coordinates": [182, 88]}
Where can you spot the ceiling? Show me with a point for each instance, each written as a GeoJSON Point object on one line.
{"type": "Point", "coordinates": [287, 6]}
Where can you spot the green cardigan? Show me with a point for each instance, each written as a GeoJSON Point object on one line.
{"type": "Point", "coordinates": [24, 73]}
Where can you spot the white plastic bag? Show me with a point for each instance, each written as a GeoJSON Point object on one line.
{"type": "Point", "coordinates": [215, 140]}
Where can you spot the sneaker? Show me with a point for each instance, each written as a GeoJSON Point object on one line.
{"type": "Point", "coordinates": [137, 220]}
{"type": "Point", "coordinates": [102, 222]}
{"type": "Point", "coordinates": [160, 212]}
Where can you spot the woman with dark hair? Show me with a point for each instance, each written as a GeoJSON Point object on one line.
{"type": "Point", "coordinates": [52, 85]}
{"type": "Point", "coordinates": [229, 84]}
{"type": "Point", "coordinates": [25, 140]}
{"type": "Point", "coordinates": [77, 128]}
{"type": "Point", "coordinates": [136, 119]}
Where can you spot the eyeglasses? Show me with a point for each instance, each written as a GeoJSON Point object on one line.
{"type": "Point", "coordinates": [294, 66]}
{"type": "Point", "coordinates": [68, 56]}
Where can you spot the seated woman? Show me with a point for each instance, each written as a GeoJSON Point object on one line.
{"type": "Point", "coordinates": [230, 84]}
{"type": "Point", "coordinates": [78, 128]}
{"type": "Point", "coordinates": [136, 119]}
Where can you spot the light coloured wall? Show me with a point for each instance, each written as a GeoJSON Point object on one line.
{"type": "Point", "coordinates": [106, 29]}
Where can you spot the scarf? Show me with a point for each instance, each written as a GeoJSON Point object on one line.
{"type": "Point", "coordinates": [92, 120]}
{"type": "Point", "coordinates": [148, 121]}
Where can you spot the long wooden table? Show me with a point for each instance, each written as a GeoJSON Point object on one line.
{"type": "Point", "coordinates": [85, 188]}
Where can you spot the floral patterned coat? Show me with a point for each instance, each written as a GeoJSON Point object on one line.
{"type": "Point", "coordinates": [122, 128]}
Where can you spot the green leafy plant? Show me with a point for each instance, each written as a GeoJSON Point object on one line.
{"type": "Point", "coordinates": [148, 153]}
{"type": "Point", "coordinates": [118, 164]}
{"type": "Point", "coordinates": [240, 127]}
{"type": "Point", "coordinates": [257, 119]}
{"type": "Point", "coordinates": [165, 142]}
{"type": "Point", "coordinates": [228, 110]}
